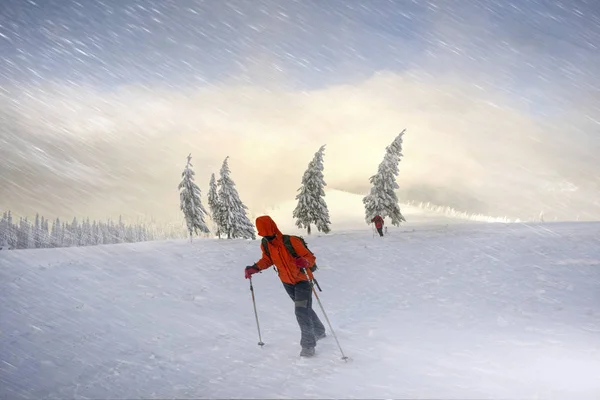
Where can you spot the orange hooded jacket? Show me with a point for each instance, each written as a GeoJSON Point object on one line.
{"type": "Point", "coordinates": [280, 256]}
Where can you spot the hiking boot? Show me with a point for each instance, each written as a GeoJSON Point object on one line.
{"type": "Point", "coordinates": [307, 352]}
{"type": "Point", "coordinates": [321, 336]}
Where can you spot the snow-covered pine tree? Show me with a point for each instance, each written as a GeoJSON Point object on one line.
{"type": "Point", "coordinates": [214, 205]}
{"type": "Point", "coordinates": [75, 232]}
{"type": "Point", "coordinates": [232, 212]}
{"type": "Point", "coordinates": [26, 240]}
{"type": "Point", "coordinates": [20, 237]}
{"type": "Point", "coordinates": [86, 233]}
{"type": "Point", "coordinates": [311, 208]}
{"type": "Point", "coordinates": [95, 239]}
{"type": "Point", "coordinates": [30, 238]}
{"type": "Point", "coordinates": [36, 232]}
{"type": "Point", "coordinates": [191, 202]}
{"type": "Point", "coordinates": [4, 229]}
{"type": "Point", "coordinates": [382, 199]}
{"type": "Point", "coordinates": [120, 230]}
{"type": "Point", "coordinates": [130, 234]}
{"type": "Point", "coordinates": [13, 238]}
{"type": "Point", "coordinates": [113, 235]}
{"type": "Point", "coordinates": [67, 236]}
{"type": "Point", "coordinates": [143, 233]}
{"type": "Point", "coordinates": [44, 233]}
{"type": "Point", "coordinates": [101, 232]}
{"type": "Point", "coordinates": [104, 233]}
{"type": "Point", "coordinates": [55, 239]}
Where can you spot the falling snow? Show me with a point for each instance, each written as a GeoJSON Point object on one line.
{"type": "Point", "coordinates": [101, 100]}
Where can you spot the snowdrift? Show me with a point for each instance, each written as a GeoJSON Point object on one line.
{"type": "Point", "coordinates": [457, 311]}
{"type": "Point", "coordinates": [347, 211]}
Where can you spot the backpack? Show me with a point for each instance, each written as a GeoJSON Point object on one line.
{"type": "Point", "coordinates": [290, 248]}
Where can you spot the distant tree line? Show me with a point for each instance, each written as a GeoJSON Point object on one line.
{"type": "Point", "coordinates": [41, 233]}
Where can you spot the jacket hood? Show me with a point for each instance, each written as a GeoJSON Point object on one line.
{"type": "Point", "coordinates": [267, 227]}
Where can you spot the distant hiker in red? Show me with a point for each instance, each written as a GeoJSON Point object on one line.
{"type": "Point", "coordinates": [378, 224]}
{"type": "Point", "coordinates": [290, 256]}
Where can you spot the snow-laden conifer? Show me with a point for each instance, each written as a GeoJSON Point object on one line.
{"type": "Point", "coordinates": [191, 202]}
{"type": "Point", "coordinates": [232, 212]}
{"type": "Point", "coordinates": [214, 205]}
{"type": "Point", "coordinates": [312, 208]}
{"type": "Point", "coordinates": [382, 199]}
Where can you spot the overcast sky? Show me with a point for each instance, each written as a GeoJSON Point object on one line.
{"type": "Point", "coordinates": [101, 101]}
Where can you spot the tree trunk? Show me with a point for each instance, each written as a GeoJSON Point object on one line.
{"type": "Point", "coordinates": [308, 229]}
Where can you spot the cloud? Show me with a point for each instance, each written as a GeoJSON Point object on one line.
{"type": "Point", "coordinates": [80, 151]}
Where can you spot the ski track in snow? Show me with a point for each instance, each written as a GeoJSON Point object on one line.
{"type": "Point", "coordinates": [448, 311]}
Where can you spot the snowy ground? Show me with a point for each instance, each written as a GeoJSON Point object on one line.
{"type": "Point", "coordinates": [457, 311]}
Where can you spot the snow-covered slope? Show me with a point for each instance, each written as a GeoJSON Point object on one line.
{"type": "Point", "coordinates": [457, 311]}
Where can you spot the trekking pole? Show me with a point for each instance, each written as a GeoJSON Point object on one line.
{"type": "Point", "coordinates": [325, 314]}
{"type": "Point", "coordinates": [260, 342]}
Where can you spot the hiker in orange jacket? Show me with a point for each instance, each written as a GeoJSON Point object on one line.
{"type": "Point", "coordinates": [291, 272]}
{"type": "Point", "coordinates": [378, 224]}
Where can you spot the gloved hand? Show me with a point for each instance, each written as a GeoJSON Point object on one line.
{"type": "Point", "coordinates": [252, 269]}
{"type": "Point", "coordinates": [301, 262]}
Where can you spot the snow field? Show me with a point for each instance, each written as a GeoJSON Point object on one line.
{"type": "Point", "coordinates": [448, 311]}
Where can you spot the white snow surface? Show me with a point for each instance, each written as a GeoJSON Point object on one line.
{"type": "Point", "coordinates": [431, 311]}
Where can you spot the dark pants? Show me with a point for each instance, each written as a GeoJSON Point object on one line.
{"type": "Point", "coordinates": [380, 230]}
{"type": "Point", "coordinates": [310, 325]}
